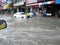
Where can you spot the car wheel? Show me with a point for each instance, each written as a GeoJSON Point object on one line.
{"type": "Point", "coordinates": [22, 17]}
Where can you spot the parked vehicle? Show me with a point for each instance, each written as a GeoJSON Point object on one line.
{"type": "Point", "coordinates": [53, 8]}
{"type": "Point", "coordinates": [20, 15]}
{"type": "Point", "coordinates": [31, 14]}
{"type": "Point", "coordinates": [28, 15]}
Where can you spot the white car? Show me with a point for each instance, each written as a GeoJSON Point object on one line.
{"type": "Point", "coordinates": [20, 15]}
{"type": "Point", "coordinates": [49, 14]}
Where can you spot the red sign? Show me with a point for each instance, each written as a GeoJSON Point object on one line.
{"type": "Point", "coordinates": [32, 4]}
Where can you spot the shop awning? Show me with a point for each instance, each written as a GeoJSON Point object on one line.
{"type": "Point", "coordinates": [42, 3]}
{"type": "Point", "coordinates": [32, 4]}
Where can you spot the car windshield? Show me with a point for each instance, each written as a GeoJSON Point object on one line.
{"type": "Point", "coordinates": [20, 13]}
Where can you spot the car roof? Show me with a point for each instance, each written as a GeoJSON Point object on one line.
{"type": "Point", "coordinates": [20, 12]}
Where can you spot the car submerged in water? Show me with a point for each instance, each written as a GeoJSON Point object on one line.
{"type": "Point", "coordinates": [20, 15]}
{"type": "Point", "coordinates": [23, 15]}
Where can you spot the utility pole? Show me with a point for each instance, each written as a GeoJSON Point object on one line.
{"type": "Point", "coordinates": [25, 7]}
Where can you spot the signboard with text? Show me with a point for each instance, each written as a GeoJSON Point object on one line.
{"type": "Point", "coordinates": [57, 1]}
{"type": "Point", "coordinates": [30, 1]}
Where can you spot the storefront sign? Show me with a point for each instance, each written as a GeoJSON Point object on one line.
{"type": "Point", "coordinates": [3, 0]}
{"type": "Point", "coordinates": [9, 1]}
{"type": "Point", "coordinates": [18, 4]}
{"type": "Point", "coordinates": [30, 1]}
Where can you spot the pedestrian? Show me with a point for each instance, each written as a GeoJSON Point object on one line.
{"type": "Point", "coordinates": [34, 12]}
{"type": "Point", "coordinates": [37, 13]}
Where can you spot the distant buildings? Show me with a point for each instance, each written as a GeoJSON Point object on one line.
{"type": "Point", "coordinates": [20, 4]}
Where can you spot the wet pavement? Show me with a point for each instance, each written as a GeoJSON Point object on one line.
{"type": "Point", "coordinates": [32, 31]}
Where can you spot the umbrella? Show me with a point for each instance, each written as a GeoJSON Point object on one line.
{"type": "Point", "coordinates": [1, 2]}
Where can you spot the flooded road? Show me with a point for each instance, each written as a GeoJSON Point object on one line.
{"type": "Point", "coordinates": [32, 31]}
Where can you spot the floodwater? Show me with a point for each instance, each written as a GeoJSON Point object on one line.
{"type": "Point", "coordinates": [32, 31]}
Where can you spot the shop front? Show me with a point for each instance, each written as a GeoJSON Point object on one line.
{"type": "Point", "coordinates": [39, 6]}
{"type": "Point", "coordinates": [19, 6]}
{"type": "Point", "coordinates": [32, 5]}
